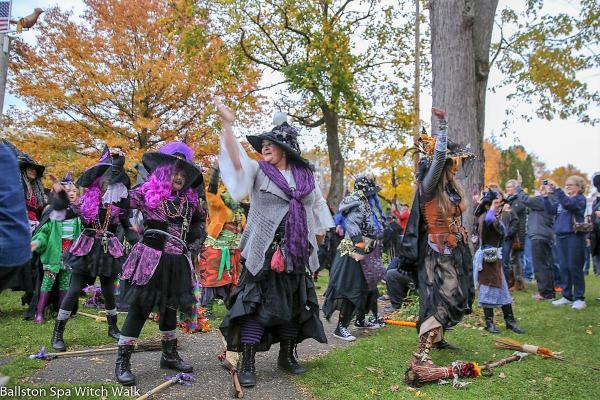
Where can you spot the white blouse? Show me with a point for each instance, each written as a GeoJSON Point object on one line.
{"type": "Point", "coordinates": [239, 184]}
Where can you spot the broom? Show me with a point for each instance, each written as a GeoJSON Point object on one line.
{"type": "Point", "coordinates": [181, 378]}
{"type": "Point", "coordinates": [143, 345]}
{"type": "Point", "coordinates": [511, 344]}
{"type": "Point", "coordinates": [97, 318]}
{"type": "Point", "coordinates": [409, 324]}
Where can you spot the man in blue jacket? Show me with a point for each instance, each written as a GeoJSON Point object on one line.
{"type": "Point", "coordinates": [15, 237]}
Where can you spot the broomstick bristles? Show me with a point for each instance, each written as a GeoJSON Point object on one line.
{"type": "Point", "coordinates": [510, 344]}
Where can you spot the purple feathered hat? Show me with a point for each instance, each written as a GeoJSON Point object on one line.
{"type": "Point", "coordinates": [178, 154]}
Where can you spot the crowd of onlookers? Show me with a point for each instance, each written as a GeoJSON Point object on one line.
{"type": "Point", "coordinates": [551, 238]}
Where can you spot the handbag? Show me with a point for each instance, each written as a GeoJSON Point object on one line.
{"type": "Point", "coordinates": [582, 227]}
{"type": "Point", "coordinates": [278, 261]}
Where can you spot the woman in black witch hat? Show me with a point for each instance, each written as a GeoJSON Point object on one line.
{"type": "Point", "coordinates": [442, 256]}
{"type": "Point", "coordinates": [31, 176]}
{"type": "Point", "coordinates": [97, 252]}
{"type": "Point", "coordinates": [159, 268]}
{"type": "Point", "coordinates": [275, 300]}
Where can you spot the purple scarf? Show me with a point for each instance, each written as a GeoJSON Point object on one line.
{"type": "Point", "coordinates": [296, 226]}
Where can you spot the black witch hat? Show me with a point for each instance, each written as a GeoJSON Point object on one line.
{"type": "Point", "coordinates": [284, 135]}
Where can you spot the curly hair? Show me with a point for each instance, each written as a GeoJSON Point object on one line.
{"type": "Point", "coordinates": [91, 201]}
{"type": "Point", "coordinates": [159, 187]}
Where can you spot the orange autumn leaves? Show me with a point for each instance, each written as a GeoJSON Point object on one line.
{"type": "Point", "coordinates": [117, 76]}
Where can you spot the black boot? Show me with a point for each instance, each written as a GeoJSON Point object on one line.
{"type": "Point", "coordinates": [286, 360]}
{"type": "Point", "coordinates": [170, 357]}
{"type": "Point", "coordinates": [509, 318]}
{"type": "Point", "coordinates": [113, 330]}
{"type": "Point", "coordinates": [489, 320]}
{"type": "Point", "coordinates": [123, 366]}
{"type": "Point", "coordinates": [247, 374]}
{"type": "Point", "coordinates": [57, 335]}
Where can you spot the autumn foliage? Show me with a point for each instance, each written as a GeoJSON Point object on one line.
{"type": "Point", "coordinates": [117, 76]}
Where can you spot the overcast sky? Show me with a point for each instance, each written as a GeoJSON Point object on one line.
{"type": "Point", "coordinates": [555, 142]}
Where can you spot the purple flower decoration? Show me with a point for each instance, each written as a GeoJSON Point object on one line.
{"type": "Point", "coordinates": [182, 378]}
{"type": "Point", "coordinates": [40, 354]}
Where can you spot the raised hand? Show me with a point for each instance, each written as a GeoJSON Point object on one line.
{"type": "Point", "coordinates": [438, 112]}
{"type": "Point", "coordinates": [227, 115]}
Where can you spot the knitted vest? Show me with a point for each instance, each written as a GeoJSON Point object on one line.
{"type": "Point", "coordinates": [268, 206]}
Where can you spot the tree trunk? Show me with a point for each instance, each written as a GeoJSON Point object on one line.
{"type": "Point", "coordinates": [336, 161]}
{"type": "Point", "coordinates": [461, 33]}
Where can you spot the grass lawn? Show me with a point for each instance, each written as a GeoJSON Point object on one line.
{"type": "Point", "coordinates": [20, 338]}
{"type": "Point", "coordinates": [373, 367]}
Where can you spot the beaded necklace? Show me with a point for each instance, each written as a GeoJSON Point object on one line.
{"type": "Point", "coordinates": [181, 211]}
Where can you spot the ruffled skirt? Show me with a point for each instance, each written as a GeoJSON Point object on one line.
{"type": "Point", "coordinates": [273, 299]}
{"type": "Point", "coordinates": [170, 287]}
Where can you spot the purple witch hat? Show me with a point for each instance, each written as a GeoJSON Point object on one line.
{"type": "Point", "coordinates": [178, 154]}
{"type": "Point", "coordinates": [68, 179]}
{"type": "Point", "coordinates": [110, 165]}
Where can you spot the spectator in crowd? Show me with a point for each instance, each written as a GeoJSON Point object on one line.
{"type": "Point", "coordinates": [402, 215]}
{"type": "Point", "coordinates": [510, 222]}
{"type": "Point", "coordinates": [515, 196]}
{"type": "Point", "coordinates": [569, 208]}
{"type": "Point", "coordinates": [595, 220]}
{"type": "Point", "coordinates": [398, 282]}
{"type": "Point", "coordinates": [541, 235]}
{"type": "Point", "coordinates": [15, 236]}
{"type": "Point", "coordinates": [392, 235]}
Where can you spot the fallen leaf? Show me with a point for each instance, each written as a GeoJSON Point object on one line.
{"type": "Point", "coordinates": [394, 388]}
{"type": "Point", "coordinates": [411, 389]}
{"type": "Point", "coordinates": [502, 375]}
{"type": "Point", "coordinates": [589, 331]}
{"type": "Point", "coordinates": [548, 378]}
{"type": "Point", "coordinates": [371, 369]}
{"type": "Point", "coordinates": [418, 393]}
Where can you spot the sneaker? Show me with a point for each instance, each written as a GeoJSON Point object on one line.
{"type": "Point", "coordinates": [366, 324]}
{"type": "Point", "coordinates": [561, 302]}
{"type": "Point", "coordinates": [579, 305]}
{"type": "Point", "coordinates": [377, 321]}
{"type": "Point", "coordinates": [344, 334]}
{"type": "Point", "coordinates": [390, 309]}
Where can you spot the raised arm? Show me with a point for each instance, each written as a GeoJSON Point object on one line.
{"type": "Point", "coordinates": [237, 169]}
{"type": "Point", "coordinates": [439, 155]}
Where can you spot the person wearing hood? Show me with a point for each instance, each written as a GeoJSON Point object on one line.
{"type": "Point", "coordinates": [275, 300]}
{"type": "Point", "coordinates": [97, 252]}
{"type": "Point", "coordinates": [358, 267]}
{"type": "Point", "coordinates": [159, 269]}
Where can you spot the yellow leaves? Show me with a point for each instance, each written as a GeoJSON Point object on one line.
{"type": "Point", "coordinates": [119, 78]}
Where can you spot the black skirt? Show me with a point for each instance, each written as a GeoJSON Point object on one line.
{"type": "Point", "coordinates": [274, 299]}
{"type": "Point", "coordinates": [95, 263]}
{"type": "Point", "coordinates": [170, 287]}
{"type": "Point", "coordinates": [347, 282]}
